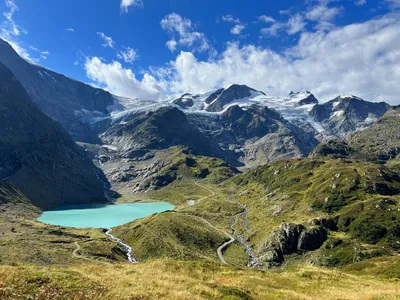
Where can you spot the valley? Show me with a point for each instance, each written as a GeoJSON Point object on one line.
{"type": "Point", "coordinates": [230, 194]}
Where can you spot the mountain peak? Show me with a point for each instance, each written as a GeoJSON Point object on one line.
{"type": "Point", "coordinates": [302, 98]}
{"type": "Point", "coordinates": [229, 95]}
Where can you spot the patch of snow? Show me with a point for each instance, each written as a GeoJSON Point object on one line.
{"type": "Point", "coordinates": [338, 113]}
{"type": "Point", "coordinates": [349, 96]}
{"type": "Point", "coordinates": [371, 119]}
{"type": "Point", "coordinates": [110, 147]}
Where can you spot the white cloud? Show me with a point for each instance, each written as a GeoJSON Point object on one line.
{"type": "Point", "coordinates": [121, 81]}
{"type": "Point", "coordinates": [361, 59]}
{"type": "Point", "coordinates": [129, 55]}
{"type": "Point", "coordinates": [323, 14]}
{"type": "Point", "coordinates": [273, 29]}
{"type": "Point", "coordinates": [171, 45]}
{"type": "Point", "coordinates": [239, 25]}
{"type": "Point", "coordinates": [11, 32]}
{"type": "Point", "coordinates": [183, 33]}
{"type": "Point", "coordinates": [360, 2]}
{"type": "Point", "coordinates": [125, 4]}
{"type": "Point", "coordinates": [108, 41]}
{"type": "Point", "coordinates": [70, 29]}
{"type": "Point", "coordinates": [237, 29]}
{"type": "Point", "coordinates": [9, 25]}
{"type": "Point", "coordinates": [76, 63]}
{"type": "Point", "coordinates": [296, 24]}
{"type": "Point", "coordinates": [266, 19]}
{"type": "Point", "coordinates": [43, 54]}
{"type": "Point", "coordinates": [230, 19]}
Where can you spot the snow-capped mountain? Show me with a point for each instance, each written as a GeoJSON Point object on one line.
{"type": "Point", "coordinates": [346, 114]}
{"type": "Point", "coordinates": [248, 125]}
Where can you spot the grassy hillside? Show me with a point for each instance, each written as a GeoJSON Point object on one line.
{"type": "Point", "coordinates": [174, 235]}
{"type": "Point", "coordinates": [352, 199]}
{"type": "Point", "coordinates": [171, 279]}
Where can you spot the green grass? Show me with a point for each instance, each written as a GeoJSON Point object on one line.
{"type": "Point", "coordinates": [352, 194]}
{"type": "Point", "coordinates": [172, 279]}
{"type": "Point", "coordinates": [171, 234]}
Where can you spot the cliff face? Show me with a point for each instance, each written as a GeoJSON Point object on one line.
{"type": "Point", "coordinates": [38, 156]}
{"type": "Point", "coordinates": [68, 101]}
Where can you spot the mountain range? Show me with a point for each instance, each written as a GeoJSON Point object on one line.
{"type": "Point", "coordinates": [257, 181]}
{"type": "Point", "coordinates": [238, 124]}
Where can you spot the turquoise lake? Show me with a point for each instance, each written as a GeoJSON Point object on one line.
{"type": "Point", "coordinates": [102, 216]}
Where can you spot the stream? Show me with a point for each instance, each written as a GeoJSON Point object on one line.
{"type": "Point", "coordinates": [253, 260]}
{"type": "Point", "coordinates": [126, 247]}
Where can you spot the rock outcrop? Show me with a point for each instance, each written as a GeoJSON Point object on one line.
{"type": "Point", "coordinates": [291, 238]}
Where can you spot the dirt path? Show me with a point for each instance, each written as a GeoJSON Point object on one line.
{"type": "Point", "coordinates": [76, 255]}
{"type": "Point", "coordinates": [204, 188]}
{"type": "Point", "coordinates": [231, 238]}
{"type": "Point", "coordinates": [224, 245]}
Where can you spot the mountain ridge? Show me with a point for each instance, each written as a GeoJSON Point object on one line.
{"type": "Point", "coordinates": [38, 156]}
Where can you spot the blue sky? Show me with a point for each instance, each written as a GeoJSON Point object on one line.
{"type": "Point", "coordinates": [154, 49]}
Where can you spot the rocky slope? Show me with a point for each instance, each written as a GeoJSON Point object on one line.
{"type": "Point", "coordinates": [157, 130]}
{"type": "Point", "coordinates": [347, 114]}
{"type": "Point", "coordinates": [38, 157]}
{"type": "Point", "coordinates": [380, 142]}
{"type": "Point", "coordinates": [70, 102]}
{"type": "Point", "coordinates": [256, 134]}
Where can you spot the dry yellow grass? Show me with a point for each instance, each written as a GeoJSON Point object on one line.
{"type": "Point", "coordinates": [168, 279]}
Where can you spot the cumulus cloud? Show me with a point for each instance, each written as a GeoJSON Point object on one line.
{"type": "Point", "coordinates": [122, 81]}
{"type": "Point", "coordinates": [361, 59]}
{"type": "Point", "coordinates": [108, 41]}
{"type": "Point", "coordinates": [183, 33]}
{"type": "Point", "coordinates": [125, 4]}
{"type": "Point", "coordinates": [70, 29]}
{"type": "Point", "coordinates": [128, 54]}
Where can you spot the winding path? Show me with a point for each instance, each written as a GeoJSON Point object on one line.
{"type": "Point", "coordinates": [231, 238]}
{"type": "Point", "coordinates": [76, 255]}
{"type": "Point", "coordinates": [224, 245]}
{"type": "Point", "coordinates": [204, 188]}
